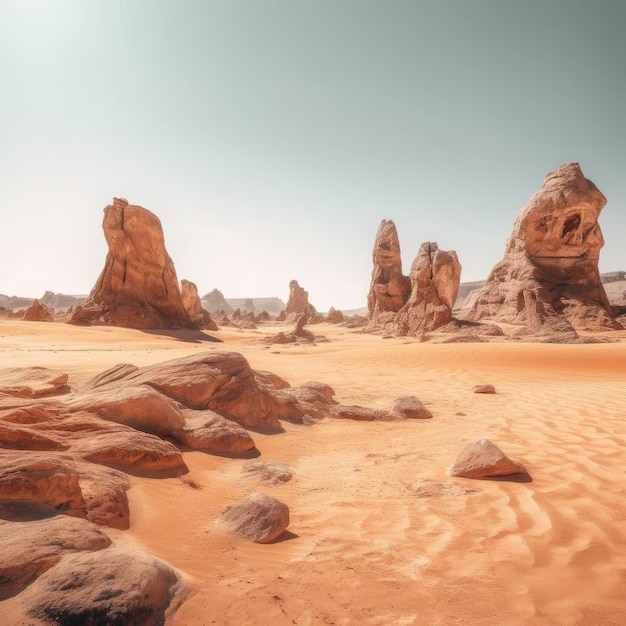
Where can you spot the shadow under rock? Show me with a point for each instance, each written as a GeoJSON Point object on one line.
{"type": "Point", "coordinates": [512, 478]}
{"type": "Point", "coordinates": [286, 535]}
{"type": "Point", "coordinates": [255, 453]}
{"type": "Point", "coordinates": [186, 335]}
{"type": "Point", "coordinates": [25, 511]}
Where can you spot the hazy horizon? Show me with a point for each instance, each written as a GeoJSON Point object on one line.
{"type": "Point", "coordinates": [271, 138]}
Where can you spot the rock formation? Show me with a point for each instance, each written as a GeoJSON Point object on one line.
{"type": "Point", "coordinates": [191, 301]}
{"type": "Point", "coordinates": [420, 302]}
{"type": "Point", "coordinates": [483, 459]}
{"type": "Point", "coordinates": [138, 287]}
{"type": "Point", "coordinates": [299, 301]}
{"type": "Point", "coordinates": [334, 316]}
{"type": "Point", "coordinates": [548, 277]}
{"type": "Point", "coordinates": [37, 312]}
{"type": "Point", "coordinates": [215, 301]}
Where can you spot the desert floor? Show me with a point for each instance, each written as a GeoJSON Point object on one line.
{"type": "Point", "coordinates": [379, 533]}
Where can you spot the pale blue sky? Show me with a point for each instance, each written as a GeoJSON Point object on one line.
{"type": "Point", "coordinates": [272, 136]}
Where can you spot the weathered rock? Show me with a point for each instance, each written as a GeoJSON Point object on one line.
{"type": "Point", "coordinates": [268, 472]}
{"type": "Point", "coordinates": [210, 432]}
{"type": "Point", "coordinates": [34, 538]}
{"type": "Point", "coordinates": [299, 301]}
{"type": "Point", "coordinates": [410, 407]}
{"type": "Point", "coordinates": [435, 277]}
{"type": "Point", "coordinates": [298, 335]}
{"type": "Point", "coordinates": [112, 586]}
{"type": "Point", "coordinates": [32, 382]}
{"type": "Point", "coordinates": [334, 316]}
{"type": "Point", "coordinates": [482, 459]}
{"type": "Point", "coordinates": [549, 272]}
{"type": "Point", "coordinates": [138, 287]}
{"type": "Point", "coordinates": [59, 301]}
{"type": "Point", "coordinates": [389, 288]}
{"type": "Point", "coordinates": [484, 389]}
{"type": "Point", "coordinates": [193, 306]}
{"type": "Point", "coordinates": [37, 312]}
{"type": "Point", "coordinates": [258, 517]}
{"type": "Point", "coordinates": [414, 304]}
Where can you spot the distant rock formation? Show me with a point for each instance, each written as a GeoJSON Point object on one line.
{"type": "Point", "coordinates": [215, 301]}
{"type": "Point", "coordinates": [37, 312]}
{"type": "Point", "coordinates": [138, 287]}
{"type": "Point", "coordinates": [334, 316]}
{"type": "Point", "coordinates": [191, 301]}
{"type": "Point", "coordinates": [548, 277]}
{"type": "Point", "coordinates": [420, 302]}
{"type": "Point", "coordinates": [60, 301]}
{"type": "Point", "coordinates": [299, 301]}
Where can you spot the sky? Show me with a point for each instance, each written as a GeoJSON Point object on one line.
{"type": "Point", "coordinates": [271, 137]}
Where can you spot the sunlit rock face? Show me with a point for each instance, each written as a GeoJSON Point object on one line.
{"type": "Point", "coordinates": [299, 301]}
{"type": "Point", "coordinates": [420, 302]}
{"type": "Point", "coordinates": [138, 287]}
{"type": "Point", "coordinates": [549, 271]}
{"type": "Point", "coordinates": [389, 288]}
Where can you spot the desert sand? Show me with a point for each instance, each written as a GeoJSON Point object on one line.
{"type": "Point", "coordinates": [380, 534]}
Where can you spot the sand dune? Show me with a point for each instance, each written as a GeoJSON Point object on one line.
{"type": "Point", "coordinates": [379, 533]}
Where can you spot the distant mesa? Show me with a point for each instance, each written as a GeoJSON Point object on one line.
{"type": "Point", "coordinates": [138, 287]}
{"type": "Point", "coordinates": [410, 305]}
{"type": "Point", "coordinates": [549, 277]}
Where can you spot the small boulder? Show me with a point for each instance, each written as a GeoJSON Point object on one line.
{"type": "Point", "coordinates": [268, 472]}
{"type": "Point", "coordinates": [483, 459]}
{"type": "Point", "coordinates": [410, 407]}
{"type": "Point", "coordinates": [258, 517]}
{"type": "Point", "coordinates": [484, 389]}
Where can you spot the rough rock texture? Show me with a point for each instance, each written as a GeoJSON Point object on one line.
{"type": "Point", "coordinates": [435, 277]}
{"type": "Point", "coordinates": [549, 272]}
{"type": "Point", "coordinates": [258, 517]}
{"type": "Point", "coordinates": [299, 301]}
{"type": "Point", "coordinates": [298, 335]}
{"type": "Point", "coordinates": [138, 287]}
{"type": "Point", "coordinates": [414, 304]}
{"type": "Point", "coordinates": [210, 432]}
{"type": "Point", "coordinates": [112, 586]}
{"type": "Point", "coordinates": [37, 312]}
{"type": "Point", "coordinates": [268, 472]}
{"type": "Point", "coordinates": [482, 459]}
{"type": "Point", "coordinates": [191, 301]}
{"type": "Point", "coordinates": [410, 407]}
{"type": "Point", "coordinates": [32, 382]}
{"type": "Point", "coordinates": [334, 316]}
{"type": "Point", "coordinates": [484, 389]}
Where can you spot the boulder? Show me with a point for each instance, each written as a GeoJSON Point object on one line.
{"type": "Point", "coordinates": [32, 382]}
{"type": "Point", "coordinates": [193, 306]}
{"type": "Point", "coordinates": [37, 312]}
{"type": "Point", "coordinates": [482, 459]}
{"type": "Point", "coordinates": [484, 389]}
{"type": "Point", "coordinates": [258, 517]}
{"type": "Point", "coordinates": [138, 287]}
{"type": "Point", "coordinates": [410, 407]}
{"type": "Point", "coordinates": [268, 472]}
{"type": "Point", "coordinates": [549, 272]}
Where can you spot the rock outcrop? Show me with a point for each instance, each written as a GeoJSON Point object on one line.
{"type": "Point", "coordinates": [414, 304]}
{"type": "Point", "coordinates": [37, 312]}
{"type": "Point", "coordinates": [548, 277]}
{"type": "Point", "coordinates": [299, 301]}
{"type": "Point", "coordinates": [138, 287]}
{"type": "Point", "coordinates": [191, 301]}
{"type": "Point", "coordinates": [215, 301]}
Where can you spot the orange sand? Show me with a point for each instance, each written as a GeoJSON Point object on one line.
{"type": "Point", "coordinates": [365, 547]}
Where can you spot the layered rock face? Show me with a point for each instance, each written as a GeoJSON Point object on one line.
{"type": "Point", "coordinates": [37, 312]}
{"type": "Point", "coordinates": [138, 287]}
{"type": "Point", "coordinates": [549, 274]}
{"type": "Point", "coordinates": [193, 306]}
{"type": "Point", "coordinates": [420, 302]}
{"type": "Point", "coordinates": [299, 301]}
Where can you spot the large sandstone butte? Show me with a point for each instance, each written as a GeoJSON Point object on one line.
{"type": "Point", "coordinates": [299, 301]}
{"type": "Point", "coordinates": [548, 277]}
{"type": "Point", "coordinates": [420, 302]}
{"type": "Point", "coordinates": [138, 287]}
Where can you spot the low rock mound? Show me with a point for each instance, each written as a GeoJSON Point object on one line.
{"type": "Point", "coordinates": [410, 407]}
{"type": "Point", "coordinates": [258, 517]}
{"type": "Point", "coordinates": [483, 459]}
{"type": "Point", "coordinates": [37, 312]}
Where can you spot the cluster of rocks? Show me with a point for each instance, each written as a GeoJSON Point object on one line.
{"type": "Point", "coordinates": [415, 304]}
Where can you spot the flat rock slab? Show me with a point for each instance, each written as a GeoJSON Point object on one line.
{"type": "Point", "coordinates": [483, 459]}
{"type": "Point", "coordinates": [258, 517]}
{"type": "Point", "coordinates": [32, 382]}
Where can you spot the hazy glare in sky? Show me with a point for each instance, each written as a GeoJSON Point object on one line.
{"type": "Point", "coordinates": [272, 136]}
